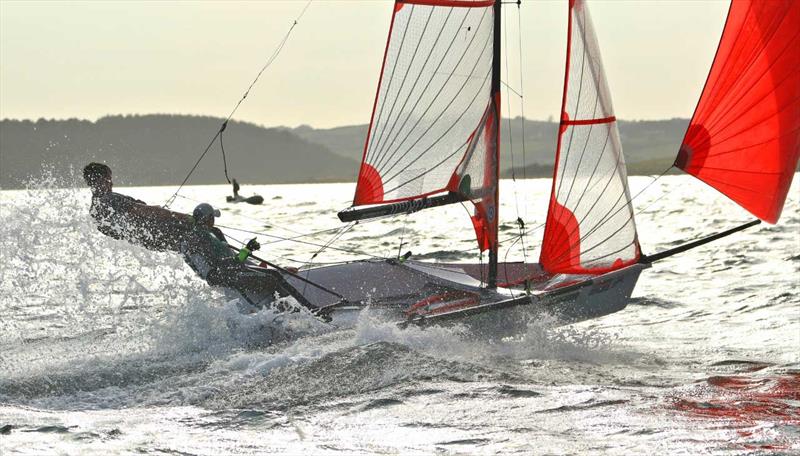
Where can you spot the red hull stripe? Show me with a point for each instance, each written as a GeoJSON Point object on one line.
{"type": "Point", "coordinates": [589, 121]}
{"type": "Point", "coordinates": [451, 3]}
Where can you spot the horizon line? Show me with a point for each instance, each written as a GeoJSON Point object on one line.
{"type": "Point", "coordinates": [550, 119]}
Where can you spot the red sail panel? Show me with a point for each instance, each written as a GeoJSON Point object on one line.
{"type": "Point", "coordinates": [589, 227]}
{"type": "Point", "coordinates": [477, 175]}
{"type": "Point", "coordinates": [432, 99]}
{"type": "Point", "coordinates": [744, 137]}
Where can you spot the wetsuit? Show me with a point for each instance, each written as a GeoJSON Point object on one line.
{"type": "Point", "coordinates": [208, 254]}
{"type": "Point", "coordinates": [205, 250]}
{"type": "Point", "coordinates": [122, 217]}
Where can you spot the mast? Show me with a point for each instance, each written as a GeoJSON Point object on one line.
{"type": "Point", "coordinates": [492, 281]}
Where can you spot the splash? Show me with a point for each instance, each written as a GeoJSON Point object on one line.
{"type": "Point", "coordinates": [541, 338]}
{"type": "Point", "coordinates": [87, 312]}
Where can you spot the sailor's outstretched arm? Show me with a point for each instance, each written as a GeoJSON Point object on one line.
{"type": "Point", "coordinates": [158, 213]}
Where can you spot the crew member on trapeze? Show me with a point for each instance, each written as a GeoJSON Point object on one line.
{"type": "Point", "coordinates": [207, 252]}
{"type": "Point", "coordinates": [122, 217]}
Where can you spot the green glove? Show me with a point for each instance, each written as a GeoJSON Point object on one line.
{"type": "Point", "coordinates": [253, 245]}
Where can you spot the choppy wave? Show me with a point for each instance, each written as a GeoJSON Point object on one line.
{"type": "Point", "coordinates": [103, 343]}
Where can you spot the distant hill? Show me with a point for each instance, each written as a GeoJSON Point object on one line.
{"type": "Point", "coordinates": [650, 145]}
{"type": "Point", "coordinates": [160, 149]}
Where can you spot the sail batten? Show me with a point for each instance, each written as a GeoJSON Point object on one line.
{"type": "Point", "coordinates": [744, 136]}
{"type": "Point", "coordinates": [590, 227]}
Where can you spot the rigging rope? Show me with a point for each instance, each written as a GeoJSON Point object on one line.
{"type": "Point", "coordinates": [272, 224]}
{"type": "Point", "coordinates": [651, 183]}
{"type": "Point", "coordinates": [522, 96]}
{"type": "Point", "coordinates": [338, 235]}
{"type": "Point", "coordinates": [266, 65]}
{"type": "Point", "coordinates": [519, 221]}
{"type": "Point", "coordinates": [352, 252]}
{"type": "Point", "coordinates": [402, 235]}
{"type": "Point", "coordinates": [508, 110]}
{"type": "Point", "coordinates": [222, 147]}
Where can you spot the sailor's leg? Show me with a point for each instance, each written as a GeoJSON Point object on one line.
{"type": "Point", "coordinates": [257, 285]}
{"type": "Point", "coordinates": [267, 281]}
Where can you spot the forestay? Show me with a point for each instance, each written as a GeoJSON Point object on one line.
{"type": "Point", "coordinates": [744, 137]}
{"type": "Point", "coordinates": [590, 226]}
{"type": "Point", "coordinates": [434, 121]}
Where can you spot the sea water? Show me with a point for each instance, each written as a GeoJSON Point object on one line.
{"type": "Point", "coordinates": [107, 348]}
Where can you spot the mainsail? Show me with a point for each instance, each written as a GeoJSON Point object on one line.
{"type": "Point", "coordinates": [744, 137]}
{"type": "Point", "coordinates": [434, 121]}
{"type": "Point", "coordinates": [589, 226]}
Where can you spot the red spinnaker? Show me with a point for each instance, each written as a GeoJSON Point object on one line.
{"type": "Point", "coordinates": [744, 137]}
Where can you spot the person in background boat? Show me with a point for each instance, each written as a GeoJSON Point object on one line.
{"type": "Point", "coordinates": [235, 189]}
{"type": "Point", "coordinates": [237, 198]}
{"type": "Point", "coordinates": [208, 253]}
{"type": "Point", "coordinates": [122, 217]}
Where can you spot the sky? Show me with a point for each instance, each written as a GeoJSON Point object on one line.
{"type": "Point", "coordinates": [61, 59]}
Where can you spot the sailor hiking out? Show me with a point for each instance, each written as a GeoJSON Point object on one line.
{"type": "Point", "coordinates": [122, 217]}
{"type": "Point", "coordinates": [204, 247]}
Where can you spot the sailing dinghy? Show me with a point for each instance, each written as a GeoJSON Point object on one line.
{"type": "Point", "coordinates": [433, 140]}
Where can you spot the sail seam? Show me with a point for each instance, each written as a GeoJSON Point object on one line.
{"type": "Point", "coordinates": [446, 108]}
{"type": "Point", "coordinates": [736, 96]}
{"type": "Point", "coordinates": [428, 149]}
{"type": "Point", "coordinates": [582, 31]}
{"type": "Point", "coordinates": [428, 170]}
{"type": "Point", "coordinates": [739, 76]}
{"type": "Point", "coordinates": [580, 160]}
{"type": "Point", "coordinates": [391, 79]}
{"type": "Point", "coordinates": [738, 149]}
{"type": "Point", "coordinates": [403, 80]}
{"type": "Point", "coordinates": [713, 124]}
{"type": "Point", "coordinates": [609, 217]}
{"type": "Point", "coordinates": [606, 217]}
{"type": "Point", "coordinates": [592, 185]}
{"type": "Point", "coordinates": [480, 89]}
{"type": "Point", "coordinates": [381, 149]}
{"type": "Point", "coordinates": [760, 121]}
{"type": "Point", "coordinates": [390, 154]}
